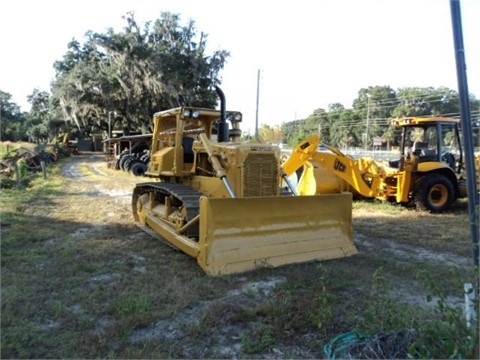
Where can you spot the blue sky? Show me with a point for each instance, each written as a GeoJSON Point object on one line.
{"type": "Point", "coordinates": [310, 53]}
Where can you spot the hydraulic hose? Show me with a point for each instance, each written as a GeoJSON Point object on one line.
{"type": "Point", "coordinates": [219, 171]}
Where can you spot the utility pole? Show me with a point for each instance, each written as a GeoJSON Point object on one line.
{"type": "Point", "coordinates": [258, 98]}
{"type": "Point", "coordinates": [368, 121]}
{"type": "Point", "coordinates": [473, 198]}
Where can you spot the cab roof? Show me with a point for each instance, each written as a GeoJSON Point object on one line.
{"type": "Point", "coordinates": [408, 121]}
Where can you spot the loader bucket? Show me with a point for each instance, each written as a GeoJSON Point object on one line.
{"type": "Point", "coordinates": [243, 234]}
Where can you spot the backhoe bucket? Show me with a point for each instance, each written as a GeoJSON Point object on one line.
{"type": "Point", "coordinates": [243, 234]}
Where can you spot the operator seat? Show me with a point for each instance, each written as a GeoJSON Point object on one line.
{"type": "Point", "coordinates": [448, 158]}
{"type": "Point", "coordinates": [419, 148]}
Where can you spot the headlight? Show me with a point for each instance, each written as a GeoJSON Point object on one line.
{"type": "Point", "coordinates": [191, 113]}
{"type": "Point", "coordinates": [234, 116]}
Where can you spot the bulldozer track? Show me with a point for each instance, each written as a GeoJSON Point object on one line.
{"type": "Point", "coordinates": [187, 196]}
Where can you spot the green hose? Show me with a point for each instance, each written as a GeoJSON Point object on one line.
{"type": "Point", "coordinates": [341, 343]}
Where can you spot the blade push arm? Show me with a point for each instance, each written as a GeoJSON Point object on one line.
{"type": "Point", "coordinates": [219, 171]}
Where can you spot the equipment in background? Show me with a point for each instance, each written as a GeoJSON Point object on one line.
{"type": "Point", "coordinates": [429, 174]}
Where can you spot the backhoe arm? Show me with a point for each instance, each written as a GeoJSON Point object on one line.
{"type": "Point", "coordinates": [341, 165]}
{"type": "Point", "coordinates": [300, 154]}
{"type": "Point", "coordinates": [347, 169]}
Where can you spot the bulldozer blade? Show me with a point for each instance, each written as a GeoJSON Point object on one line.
{"type": "Point", "coordinates": [242, 234]}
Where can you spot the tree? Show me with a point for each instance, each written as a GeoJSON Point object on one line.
{"type": "Point", "coordinates": [372, 112]}
{"type": "Point", "coordinates": [374, 106]}
{"type": "Point", "coordinates": [320, 117]}
{"type": "Point", "coordinates": [271, 134]}
{"type": "Point", "coordinates": [415, 101]}
{"type": "Point", "coordinates": [12, 121]}
{"type": "Point", "coordinates": [43, 121]}
{"type": "Point", "coordinates": [136, 72]}
{"type": "Point", "coordinates": [345, 126]}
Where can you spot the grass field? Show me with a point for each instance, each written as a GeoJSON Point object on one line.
{"type": "Point", "coordinates": [80, 280]}
{"type": "Point", "coordinates": [6, 146]}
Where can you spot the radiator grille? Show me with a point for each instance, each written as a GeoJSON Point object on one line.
{"type": "Point", "coordinates": [260, 175]}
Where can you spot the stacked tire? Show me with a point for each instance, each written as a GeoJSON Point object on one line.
{"type": "Point", "coordinates": [136, 163]}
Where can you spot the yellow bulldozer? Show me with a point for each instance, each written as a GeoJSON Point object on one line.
{"type": "Point", "coordinates": [219, 200]}
{"type": "Point", "coordinates": [429, 174]}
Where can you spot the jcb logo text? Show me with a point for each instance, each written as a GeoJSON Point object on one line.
{"type": "Point", "coordinates": [339, 166]}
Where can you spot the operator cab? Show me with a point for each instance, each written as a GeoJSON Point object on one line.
{"type": "Point", "coordinates": [431, 139]}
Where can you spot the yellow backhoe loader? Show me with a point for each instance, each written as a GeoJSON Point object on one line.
{"type": "Point", "coordinates": [430, 172]}
{"type": "Point", "coordinates": [218, 199]}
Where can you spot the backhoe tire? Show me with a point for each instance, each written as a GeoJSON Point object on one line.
{"type": "Point", "coordinates": [434, 193]}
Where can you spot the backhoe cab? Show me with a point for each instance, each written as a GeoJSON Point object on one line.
{"type": "Point", "coordinates": [432, 139]}
{"type": "Point", "coordinates": [435, 143]}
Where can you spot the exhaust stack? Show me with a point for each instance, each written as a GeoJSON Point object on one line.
{"type": "Point", "coordinates": [222, 125]}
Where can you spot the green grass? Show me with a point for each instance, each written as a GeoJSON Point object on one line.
{"type": "Point", "coordinates": [7, 146]}
{"type": "Point", "coordinates": [448, 231]}
{"type": "Point", "coordinates": [79, 280]}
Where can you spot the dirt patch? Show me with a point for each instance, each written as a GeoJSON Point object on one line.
{"type": "Point", "coordinates": [172, 328]}
{"type": "Point", "coordinates": [409, 253]}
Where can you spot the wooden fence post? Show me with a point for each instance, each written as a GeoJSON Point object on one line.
{"type": "Point", "coordinates": [17, 173]}
{"type": "Point", "coordinates": [44, 169]}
